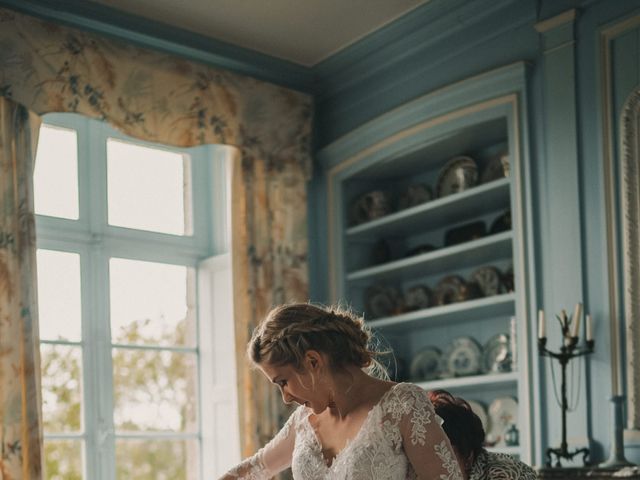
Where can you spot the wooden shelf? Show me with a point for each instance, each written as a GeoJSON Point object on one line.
{"type": "Point", "coordinates": [472, 381]}
{"type": "Point", "coordinates": [469, 311]}
{"type": "Point", "coordinates": [437, 213]}
{"type": "Point", "coordinates": [481, 251]}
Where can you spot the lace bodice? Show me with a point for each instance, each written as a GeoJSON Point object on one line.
{"type": "Point", "coordinates": [401, 438]}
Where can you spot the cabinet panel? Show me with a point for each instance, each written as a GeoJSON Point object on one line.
{"type": "Point", "coordinates": [428, 238]}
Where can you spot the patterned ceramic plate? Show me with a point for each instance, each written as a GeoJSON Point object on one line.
{"type": "Point", "coordinates": [462, 357]}
{"type": "Point", "coordinates": [503, 412]}
{"type": "Point", "coordinates": [449, 290]}
{"type": "Point", "coordinates": [414, 195]}
{"type": "Point", "coordinates": [497, 167]}
{"type": "Point", "coordinates": [496, 354]}
{"type": "Point", "coordinates": [488, 280]}
{"type": "Point", "coordinates": [457, 175]}
{"type": "Point", "coordinates": [426, 364]}
{"type": "Point", "coordinates": [417, 298]}
{"type": "Point", "coordinates": [381, 301]}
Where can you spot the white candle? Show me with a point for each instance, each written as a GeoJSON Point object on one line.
{"type": "Point", "coordinates": [577, 314]}
{"type": "Point", "coordinates": [587, 327]}
{"type": "Point", "coordinates": [514, 346]}
{"type": "Point", "coordinates": [541, 326]}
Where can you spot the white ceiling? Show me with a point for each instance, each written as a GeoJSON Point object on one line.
{"type": "Point", "coordinates": [301, 31]}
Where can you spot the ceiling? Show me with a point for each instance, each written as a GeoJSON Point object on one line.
{"type": "Point", "coordinates": [301, 31]}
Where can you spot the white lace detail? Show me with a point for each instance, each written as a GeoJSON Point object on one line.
{"type": "Point", "coordinates": [251, 469]}
{"type": "Point", "coordinates": [397, 441]}
{"type": "Point", "coordinates": [449, 461]}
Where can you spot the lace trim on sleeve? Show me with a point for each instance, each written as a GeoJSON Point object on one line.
{"type": "Point", "coordinates": [250, 469]}
{"type": "Point", "coordinates": [449, 462]}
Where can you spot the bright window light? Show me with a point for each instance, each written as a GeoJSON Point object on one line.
{"type": "Point", "coordinates": [59, 304]}
{"type": "Point", "coordinates": [146, 188]}
{"type": "Point", "coordinates": [149, 303]}
{"type": "Point", "coordinates": [154, 390]}
{"type": "Point", "coordinates": [55, 179]}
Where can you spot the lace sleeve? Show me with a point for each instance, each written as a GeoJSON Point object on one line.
{"type": "Point", "coordinates": [274, 457]}
{"type": "Point", "coordinates": [424, 441]}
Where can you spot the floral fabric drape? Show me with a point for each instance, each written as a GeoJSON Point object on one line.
{"type": "Point", "coordinates": [20, 418]}
{"type": "Point", "coordinates": [162, 98]}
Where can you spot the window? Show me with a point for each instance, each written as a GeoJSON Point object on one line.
{"type": "Point", "coordinates": [125, 230]}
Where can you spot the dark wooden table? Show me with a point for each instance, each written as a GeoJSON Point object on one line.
{"type": "Point", "coordinates": [587, 473]}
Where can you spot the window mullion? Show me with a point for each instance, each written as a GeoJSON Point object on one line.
{"type": "Point", "coordinates": [100, 324]}
{"type": "Point", "coordinates": [89, 362]}
{"type": "Point", "coordinates": [103, 368]}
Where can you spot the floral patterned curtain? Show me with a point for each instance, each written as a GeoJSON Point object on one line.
{"type": "Point", "coordinates": [20, 419]}
{"type": "Point", "coordinates": [162, 98]}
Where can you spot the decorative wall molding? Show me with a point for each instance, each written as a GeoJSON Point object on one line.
{"type": "Point", "coordinates": [630, 217]}
{"type": "Point", "coordinates": [613, 183]}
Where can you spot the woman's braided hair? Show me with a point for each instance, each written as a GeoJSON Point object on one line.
{"type": "Point", "coordinates": [290, 330]}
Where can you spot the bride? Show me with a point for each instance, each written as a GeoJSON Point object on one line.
{"type": "Point", "coordinates": [349, 424]}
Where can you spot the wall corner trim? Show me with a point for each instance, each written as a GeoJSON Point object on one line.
{"type": "Point", "coordinates": [555, 22]}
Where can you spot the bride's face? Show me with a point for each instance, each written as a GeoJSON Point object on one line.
{"type": "Point", "coordinates": [301, 387]}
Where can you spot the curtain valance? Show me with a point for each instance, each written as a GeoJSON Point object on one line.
{"type": "Point", "coordinates": [150, 95]}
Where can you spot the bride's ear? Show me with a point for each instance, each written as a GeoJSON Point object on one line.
{"type": "Point", "coordinates": [314, 361]}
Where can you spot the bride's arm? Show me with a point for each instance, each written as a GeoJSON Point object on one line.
{"type": "Point", "coordinates": [426, 445]}
{"type": "Point", "coordinates": [274, 457]}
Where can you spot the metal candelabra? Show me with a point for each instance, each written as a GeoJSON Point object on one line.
{"type": "Point", "coordinates": [568, 351]}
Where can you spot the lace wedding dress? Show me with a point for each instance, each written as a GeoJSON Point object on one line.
{"type": "Point", "coordinates": [401, 438]}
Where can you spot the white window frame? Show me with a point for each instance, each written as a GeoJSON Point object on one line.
{"type": "Point", "coordinates": [96, 242]}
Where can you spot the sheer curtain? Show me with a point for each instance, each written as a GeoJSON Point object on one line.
{"type": "Point", "coordinates": [46, 67]}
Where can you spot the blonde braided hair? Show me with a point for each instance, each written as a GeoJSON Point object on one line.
{"type": "Point", "coordinates": [290, 330]}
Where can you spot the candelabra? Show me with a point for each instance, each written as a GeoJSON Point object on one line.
{"type": "Point", "coordinates": [568, 351]}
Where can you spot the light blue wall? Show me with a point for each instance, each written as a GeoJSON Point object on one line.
{"type": "Point", "coordinates": [444, 42]}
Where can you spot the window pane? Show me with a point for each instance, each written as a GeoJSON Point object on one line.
{"type": "Point", "coordinates": [154, 459]}
{"type": "Point", "coordinates": [154, 391]}
{"type": "Point", "coordinates": [59, 305]}
{"type": "Point", "coordinates": [55, 176]}
{"type": "Point", "coordinates": [63, 459]}
{"type": "Point", "coordinates": [146, 188]}
{"type": "Point", "coordinates": [61, 388]}
{"type": "Point", "coordinates": [151, 303]}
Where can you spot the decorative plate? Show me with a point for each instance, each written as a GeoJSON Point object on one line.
{"type": "Point", "coordinates": [465, 233]}
{"type": "Point", "coordinates": [496, 354]}
{"type": "Point", "coordinates": [480, 411]}
{"type": "Point", "coordinates": [426, 364]}
{"type": "Point", "coordinates": [501, 223]}
{"type": "Point", "coordinates": [457, 175]}
{"type": "Point", "coordinates": [414, 195]}
{"type": "Point", "coordinates": [462, 357]}
{"type": "Point", "coordinates": [488, 280]}
{"type": "Point", "coordinates": [417, 298]}
{"type": "Point", "coordinates": [449, 290]}
{"type": "Point", "coordinates": [497, 167]}
{"type": "Point", "coordinates": [503, 412]}
{"type": "Point", "coordinates": [452, 289]}
{"type": "Point", "coordinates": [381, 301]}
{"type": "Point", "coordinates": [369, 206]}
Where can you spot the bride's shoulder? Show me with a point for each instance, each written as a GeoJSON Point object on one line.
{"type": "Point", "coordinates": [406, 394]}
